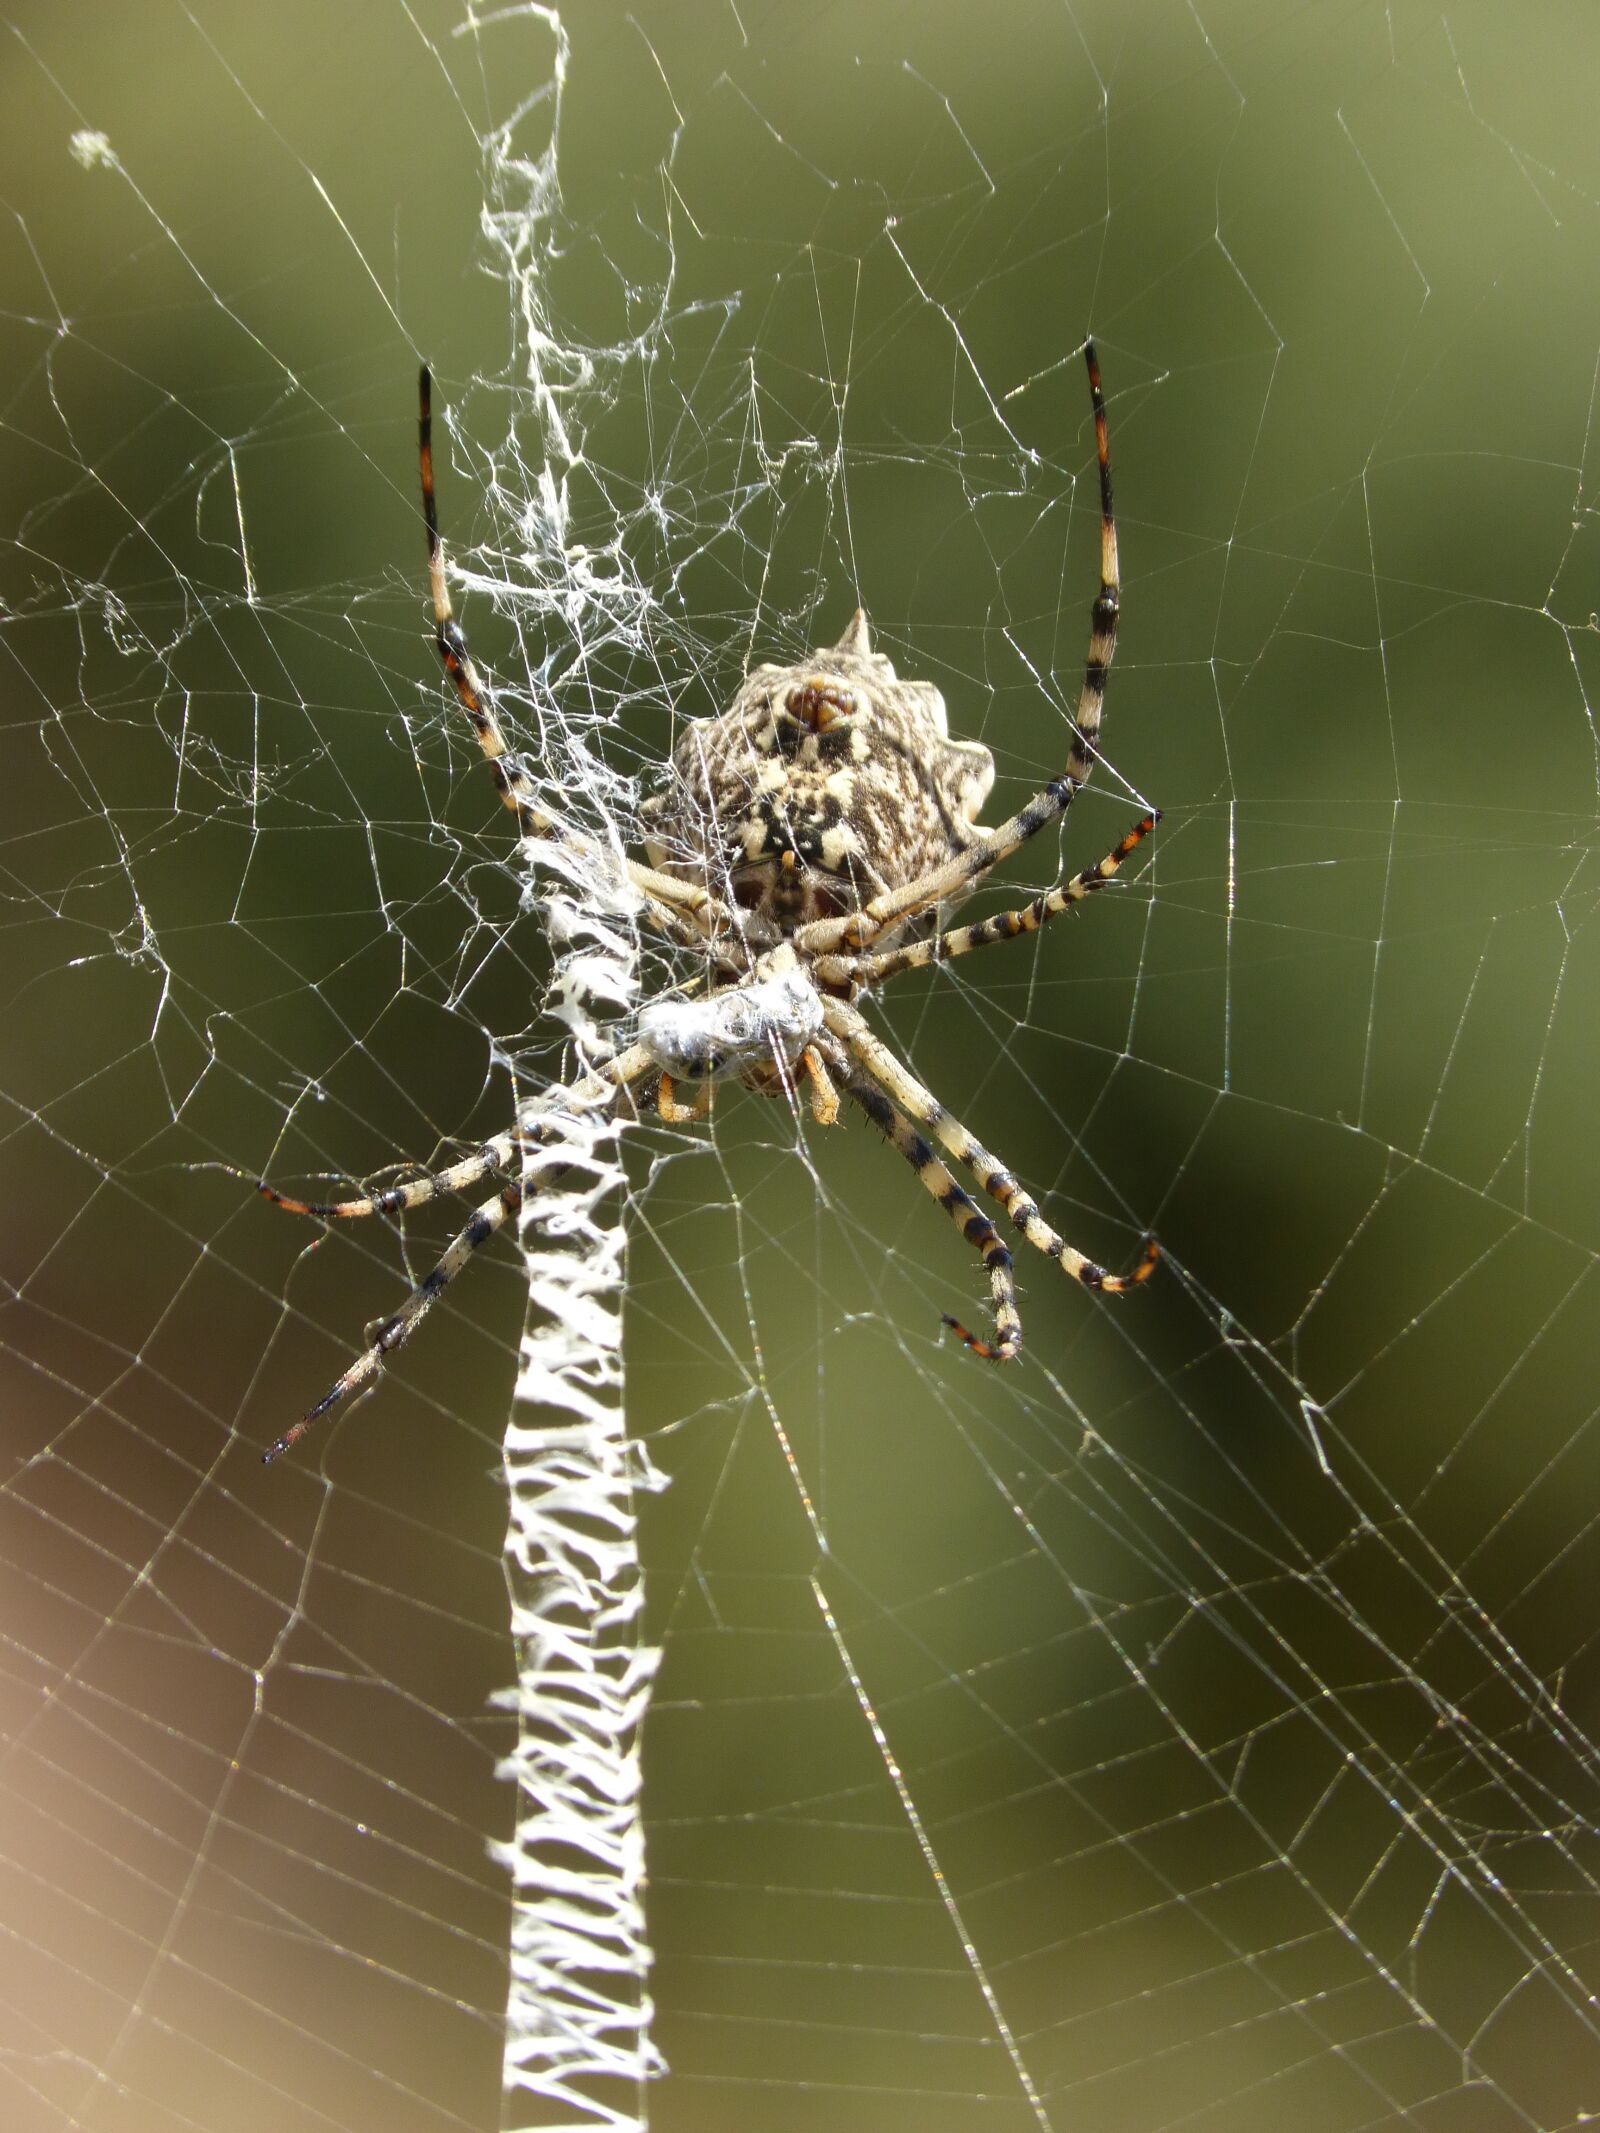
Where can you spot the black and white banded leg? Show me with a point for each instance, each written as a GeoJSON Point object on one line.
{"type": "Point", "coordinates": [954, 877]}
{"type": "Point", "coordinates": [992, 1175]}
{"type": "Point", "coordinates": [387, 1334]}
{"type": "Point", "coordinates": [1003, 926]}
{"type": "Point", "coordinates": [963, 1211]}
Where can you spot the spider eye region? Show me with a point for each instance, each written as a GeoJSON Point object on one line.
{"type": "Point", "coordinates": [773, 1017]}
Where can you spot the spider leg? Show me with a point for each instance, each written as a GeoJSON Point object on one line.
{"type": "Point", "coordinates": [472, 1169]}
{"type": "Point", "coordinates": [415, 1192]}
{"type": "Point", "coordinates": [824, 1096]}
{"type": "Point", "coordinates": [664, 894]}
{"type": "Point", "coordinates": [1004, 926]}
{"type": "Point", "coordinates": [387, 1334]}
{"type": "Point", "coordinates": [955, 876]}
{"type": "Point", "coordinates": [963, 1211]}
{"type": "Point", "coordinates": [677, 1114]}
{"type": "Point", "coordinates": [668, 919]}
{"type": "Point", "coordinates": [991, 1174]}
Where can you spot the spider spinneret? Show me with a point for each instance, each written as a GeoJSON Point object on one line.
{"type": "Point", "coordinates": [810, 843]}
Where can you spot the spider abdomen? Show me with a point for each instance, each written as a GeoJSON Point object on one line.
{"type": "Point", "coordinates": [822, 785]}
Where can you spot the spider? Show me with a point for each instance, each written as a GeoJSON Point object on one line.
{"type": "Point", "coordinates": [807, 846]}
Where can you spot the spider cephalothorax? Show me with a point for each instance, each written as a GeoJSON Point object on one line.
{"type": "Point", "coordinates": [808, 844]}
{"type": "Point", "coordinates": [821, 785]}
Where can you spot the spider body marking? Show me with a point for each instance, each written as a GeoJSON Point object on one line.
{"type": "Point", "coordinates": [809, 843]}
{"type": "Point", "coordinates": [821, 786]}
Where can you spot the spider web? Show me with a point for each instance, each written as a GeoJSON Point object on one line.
{"type": "Point", "coordinates": [1190, 1725]}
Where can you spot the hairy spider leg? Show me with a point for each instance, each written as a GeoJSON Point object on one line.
{"type": "Point", "coordinates": [956, 875]}
{"type": "Point", "coordinates": [1004, 926]}
{"type": "Point", "coordinates": [922, 1105]}
{"type": "Point", "coordinates": [963, 1211]}
{"type": "Point", "coordinates": [667, 901]}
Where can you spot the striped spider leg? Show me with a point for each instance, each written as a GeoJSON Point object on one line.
{"type": "Point", "coordinates": [963, 1211]}
{"type": "Point", "coordinates": [385, 1335]}
{"type": "Point", "coordinates": [895, 1080]}
{"type": "Point", "coordinates": [890, 1078]}
{"type": "Point", "coordinates": [957, 876]}
{"type": "Point", "coordinates": [864, 970]}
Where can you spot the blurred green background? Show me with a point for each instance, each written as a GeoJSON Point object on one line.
{"type": "Point", "coordinates": [1235, 1649]}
